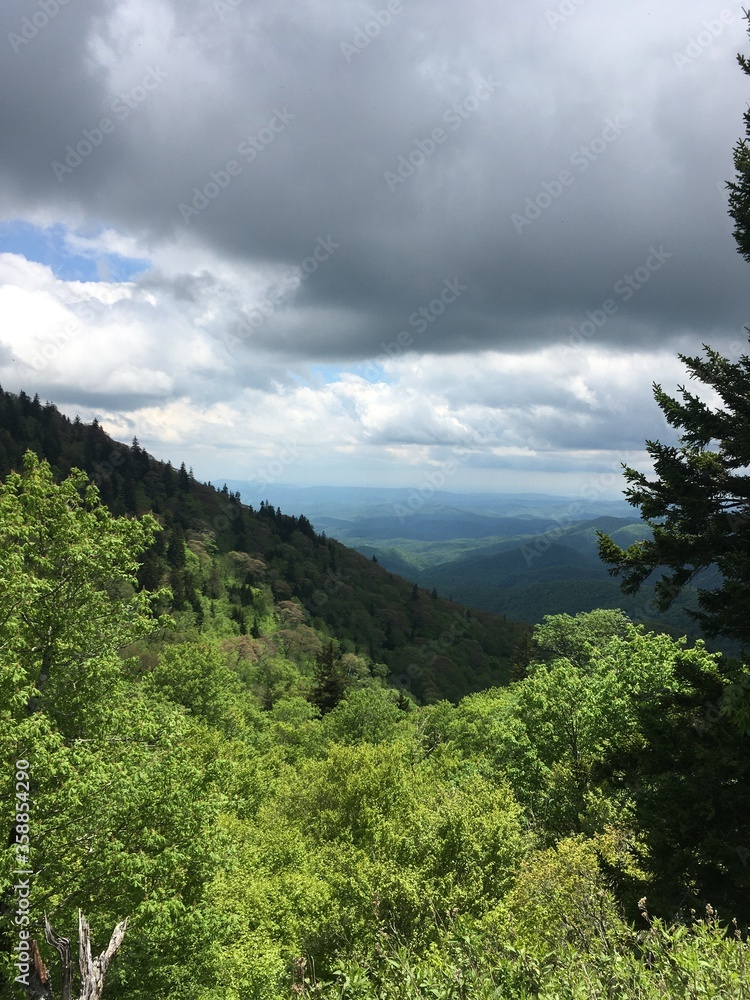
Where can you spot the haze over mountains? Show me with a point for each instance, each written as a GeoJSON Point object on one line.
{"type": "Point", "coordinates": [346, 503]}
{"type": "Point", "coordinates": [525, 555]}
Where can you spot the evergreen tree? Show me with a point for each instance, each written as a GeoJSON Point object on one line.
{"type": "Point", "coordinates": [183, 479]}
{"type": "Point", "coordinates": [330, 680]}
{"type": "Point", "coordinates": [739, 189]}
{"type": "Point", "coordinates": [698, 507]}
{"type": "Point", "coordinates": [168, 480]}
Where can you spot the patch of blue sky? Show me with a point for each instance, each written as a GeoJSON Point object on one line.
{"type": "Point", "coordinates": [372, 371]}
{"type": "Point", "coordinates": [50, 245]}
{"type": "Point", "coordinates": [319, 375]}
{"type": "Point", "coordinates": [326, 373]}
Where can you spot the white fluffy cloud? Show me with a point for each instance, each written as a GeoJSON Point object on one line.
{"type": "Point", "coordinates": [147, 359]}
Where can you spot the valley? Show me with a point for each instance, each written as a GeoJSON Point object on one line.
{"type": "Point", "coordinates": [522, 555]}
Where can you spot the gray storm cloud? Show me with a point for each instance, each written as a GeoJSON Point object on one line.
{"type": "Point", "coordinates": [536, 152]}
{"type": "Point", "coordinates": [308, 178]}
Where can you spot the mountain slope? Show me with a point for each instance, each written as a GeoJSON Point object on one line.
{"type": "Point", "coordinates": [527, 576]}
{"type": "Point", "coordinates": [431, 646]}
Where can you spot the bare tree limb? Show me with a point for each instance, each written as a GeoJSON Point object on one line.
{"type": "Point", "coordinates": [94, 970]}
{"type": "Point", "coordinates": [62, 947]}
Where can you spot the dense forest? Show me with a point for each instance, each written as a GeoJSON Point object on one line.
{"type": "Point", "coordinates": [263, 763]}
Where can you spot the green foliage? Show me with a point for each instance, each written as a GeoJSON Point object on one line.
{"type": "Point", "coordinates": [578, 638]}
{"type": "Point", "coordinates": [366, 715]}
{"type": "Point", "coordinates": [67, 595]}
{"type": "Point", "coordinates": [560, 898]}
{"type": "Point", "coordinates": [118, 788]}
{"type": "Point", "coordinates": [366, 838]}
{"type": "Point", "coordinates": [563, 722]}
{"type": "Point", "coordinates": [592, 954]}
{"type": "Point", "coordinates": [689, 787]}
{"type": "Point", "coordinates": [276, 822]}
{"type": "Point", "coordinates": [697, 507]}
{"type": "Point", "coordinates": [196, 676]}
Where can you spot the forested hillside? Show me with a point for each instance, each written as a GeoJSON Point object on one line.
{"type": "Point", "coordinates": [253, 828]}
{"type": "Point", "coordinates": [230, 567]}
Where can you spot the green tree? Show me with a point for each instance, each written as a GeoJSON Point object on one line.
{"type": "Point", "coordinates": [698, 507]}
{"type": "Point", "coordinates": [196, 676]}
{"type": "Point", "coordinates": [68, 595]}
{"type": "Point", "coordinates": [739, 189]}
{"type": "Point", "coordinates": [363, 715]}
{"type": "Point", "coordinates": [557, 731]}
{"type": "Point", "coordinates": [121, 784]}
{"type": "Point", "coordinates": [578, 638]}
{"type": "Point", "coordinates": [330, 682]}
{"type": "Point", "coordinates": [690, 784]}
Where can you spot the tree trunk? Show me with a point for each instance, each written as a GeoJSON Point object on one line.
{"type": "Point", "coordinates": [93, 970]}
{"type": "Point", "coordinates": [62, 947]}
{"type": "Point", "coordinates": [39, 987]}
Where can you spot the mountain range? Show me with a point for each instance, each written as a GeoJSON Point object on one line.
{"type": "Point", "coordinates": [524, 555]}
{"type": "Point", "coordinates": [437, 591]}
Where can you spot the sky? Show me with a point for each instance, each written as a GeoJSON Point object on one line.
{"type": "Point", "coordinates": [401, 243]}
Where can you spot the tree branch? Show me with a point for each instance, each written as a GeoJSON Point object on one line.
{"type": "Point", "coordinates": [94, 970]}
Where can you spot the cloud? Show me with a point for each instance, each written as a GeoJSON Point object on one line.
{"type": "Point", "coordinates": [93, 344]}
{"type": "Point", "coordinates": [249, 199]}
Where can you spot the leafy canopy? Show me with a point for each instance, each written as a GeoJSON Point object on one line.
{"type": "Point", "coordinates": [68, 592]}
